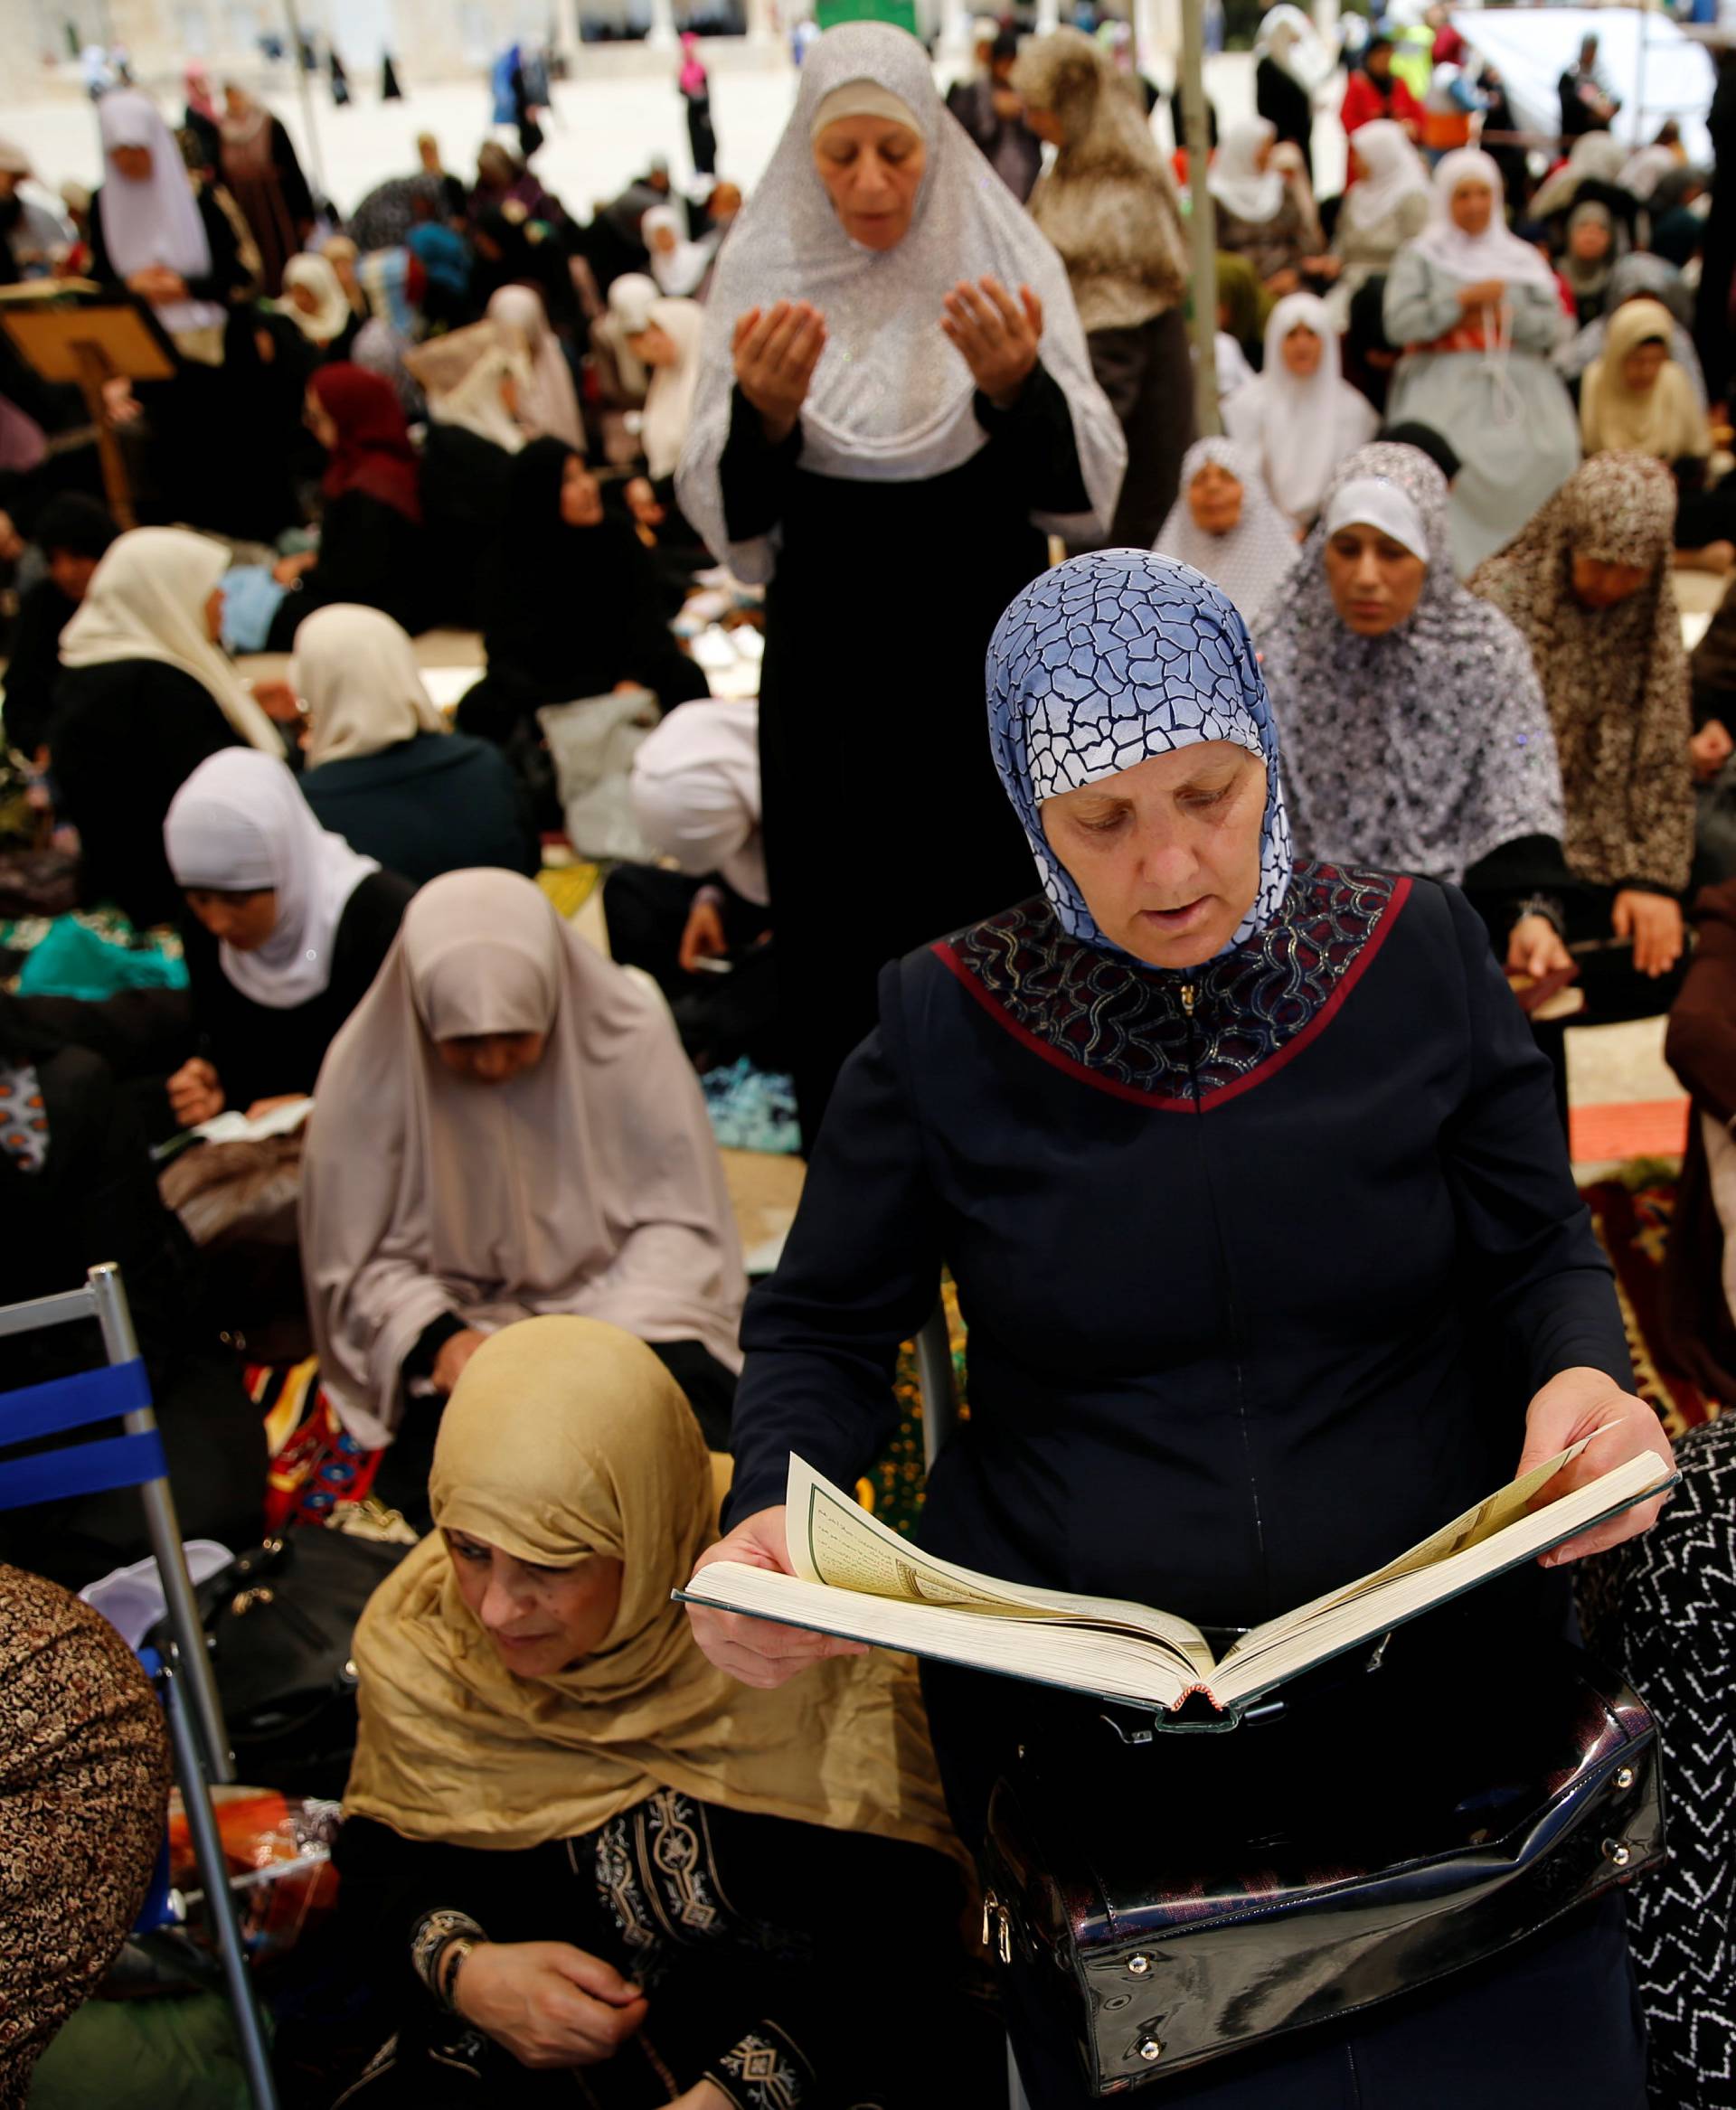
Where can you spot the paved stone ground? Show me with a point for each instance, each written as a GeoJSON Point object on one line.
{"type": "Point", "coordinates": [602, 130]}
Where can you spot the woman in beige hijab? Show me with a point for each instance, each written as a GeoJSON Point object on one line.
{"type": "Point", "coordinates": [1635, 398]}
{"type": "Point", "coordinates": [145, 693]}
{"type": "Point", "coordinates": [547, 401]}
{"type": "Point", "coordinates": [385, 771]}
{"type": "Point", "coordinates": [507, 1125]}
{"type": "Point", "coordinates": [568, 1832]}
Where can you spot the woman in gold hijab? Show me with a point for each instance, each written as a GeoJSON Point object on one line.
{"type": "Point", "coordinates": [574, 1850]}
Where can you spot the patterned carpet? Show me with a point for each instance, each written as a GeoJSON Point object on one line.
{"type": "Point", "coordinates": [1632, 1215]}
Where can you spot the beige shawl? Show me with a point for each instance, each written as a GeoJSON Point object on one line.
{"type": "Point", "coordinates": [355, 669]}
{"type": "Point", "coordinates": [564, 1439]}
{"type": "Point", "coordinates": [1665, 419]}
{"type": "Point", "coordinates": [146, 600]}
{"type": "Point", "coordinates": [589, 1184]}
{"type": "Point", "coordinates": [1109, 204]}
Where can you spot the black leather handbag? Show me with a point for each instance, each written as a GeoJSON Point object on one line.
{"type": "Point", "coordinates": [280, 1621]}
{"type": "Point", "coordinates": [1179, 1899]}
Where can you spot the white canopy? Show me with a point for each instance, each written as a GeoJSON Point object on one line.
{"type": "Point", "coordinates": [1532, 47]}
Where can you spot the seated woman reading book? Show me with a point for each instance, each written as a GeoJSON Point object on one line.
{"type": "Point", "coordinates": [1246, 1171]}
{"type": "Point", "coordinates": [580, 1864]}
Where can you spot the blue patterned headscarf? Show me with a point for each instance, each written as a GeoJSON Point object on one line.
{"type": "Point", "coordinates": [1109, 659]}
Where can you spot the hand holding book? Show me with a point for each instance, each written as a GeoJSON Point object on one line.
{"type": "Point", "coordinates": [756, 1651]}
{"type": "Point", "coordinates": [1586, 1402]}
{"type": "Point", "coordinates": [824, 1564]}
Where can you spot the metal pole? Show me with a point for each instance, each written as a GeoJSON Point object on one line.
{"type": "Point", "coordinates": [220, 1900]}
{"type": "Point", "coordinates": [114, 1315]}
{"type": "Point", "coordinates": [934, 1377]}
{"type": "Point", "coordinates": [1202, 219]}
{"type": "Point", "coordinates": [306, 95]}
{"type": "Point", "coordinates": [1643, 29]}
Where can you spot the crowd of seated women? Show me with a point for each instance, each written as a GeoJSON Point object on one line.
{"type": "Point", "coordinates": [1332, 733]}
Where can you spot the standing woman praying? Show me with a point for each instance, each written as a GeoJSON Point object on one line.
{"type": "Point", "coordinates": [1479, 315]}
{"type": "Point", "coordinates": [1109, 206]}
{"type": "Point", "coordinates": [895, 376]}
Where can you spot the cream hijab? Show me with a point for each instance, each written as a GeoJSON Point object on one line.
{"type": "Point", "coordinates": [589, 1184]}
{"type": "Point", "coordinates": [565, 1438]}
{"type": "Point", "coordinates": [333, 315]}
{"type": "Point", "coordinates": [1665, 419]}
{"type": "Point", "coordinates": [669, 399]}
{"type": "Point", "coordinates": [146, 600]}
{"type": "Point", "coordinates": [462, 375]}
{"type": "Point", "coordinates": [548, 403]}
{"type": "Point", "coordinates": [355, 670]}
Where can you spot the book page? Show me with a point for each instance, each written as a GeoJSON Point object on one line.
{"type": "Point", "coordinates": [1285, 1647]}
{"type": "Point", "coordinates": [1494, 1513]}
{"type": "Point", "coordinates": [834, 1540]}
{"type": "Point", "coordinates": [1111, 1662]}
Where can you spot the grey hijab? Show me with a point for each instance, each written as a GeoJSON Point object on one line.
{"type": "Point", "coordinates": [1420, 751]}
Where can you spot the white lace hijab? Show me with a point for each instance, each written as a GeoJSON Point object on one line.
{"type": "Point", "coordinates": [891, 401]}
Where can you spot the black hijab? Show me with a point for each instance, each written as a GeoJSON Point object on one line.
{"type": "Point", "coordinates": [571, 610]}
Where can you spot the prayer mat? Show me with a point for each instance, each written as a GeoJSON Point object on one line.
{"type": "Point", "coordinates": [569, 885]}
{"type": "Point", "coordinates": [752, 1109]}
{"type": "Point", "coordinates": [316, 1464]}
{"type": "Point", "coordinates": [893, 1486]}
{"type": "Point", "coordinates": [1631, 1215]}
{"type": "Point", "coordinates": [92, 953]}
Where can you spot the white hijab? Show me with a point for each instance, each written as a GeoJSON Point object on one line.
{"type": "Point", "coordinates": [155, 221]}
{"type": "Point", "coordinates": [892, 401]}
{"type": "Point", "coordinates": [669, 399]}
{"type": "Point", "coordinates": [240, 824]}
{"type": "Point", "coordinates": [548, 403]}
{"type": "Point", "coordinates": [1300, 430]}
{"type": "Point", "coordinates": [1249, 560]}
{"type": "Point", "coordinates": [1496, 253]}
{"type": "Point", "coordinates": [1233, 180]}
{"type": "Point", "coordinates": [1393, 171]}
{"type": "Point", "coordinates": [1291, 40]}
{"type": "Point", "coordinates": [146, 600]}
{"type": "Point", "coordinates": [333, 313]}
{"type": "Point", "coordinates": [355, 669]}
{"type": "Point", "coordinates": [679, 270]}
{"type": "Point", "coordinates": [462, 376]}
{"type": "Point", "coordinates": [695, 792]}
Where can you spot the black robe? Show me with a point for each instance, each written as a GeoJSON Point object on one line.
{"type": "Point", "coordinates": [95, 1198]}
{"type": "Point", "coordinates": [1257, 1295]}
{"type": "Point", "coordinates": [370, 553]}
{"type": "Point", "coordinates": [260, 1053]}
{"type": "Point", "coordinates": [124, 737]}
{"type": "Point", "coordinates": [33, 665]}
{"type": "Point", "coordinates": [739, 1927]}
{"type": "Point", "coordinates": [437, 803]}
{"type": "Point", "coordinates": [883, 819]}
{"type": "Point", "coordinates": [568, 612]}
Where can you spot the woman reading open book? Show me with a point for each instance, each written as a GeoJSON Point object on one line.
{"type": "Point", "coordinates": [1249, 1175]}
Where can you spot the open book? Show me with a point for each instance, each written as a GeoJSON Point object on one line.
{"type": "Point", "coordinates": [856, 1578]}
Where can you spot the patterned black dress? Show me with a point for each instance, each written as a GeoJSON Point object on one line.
{"type": "Point", "coordinates": [794, 1967]}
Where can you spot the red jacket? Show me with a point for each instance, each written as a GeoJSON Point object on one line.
{"type": "Point", "coordinates": [1364, 101]}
